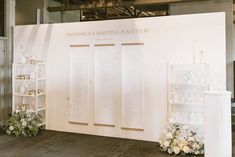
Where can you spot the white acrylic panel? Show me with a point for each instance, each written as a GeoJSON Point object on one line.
{"type": "Point", "coordinates": [79, 84]}
{"type": "Point", "coordinates": [104, 91]}
{"type": "Point", "coordinates": [132, 87]}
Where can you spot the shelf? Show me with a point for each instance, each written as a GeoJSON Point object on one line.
{"type": "Point", "coordinates": [23, 74]}
{"type": "Point", "coordinates": [41, 109]}
{"type": "Point", "coordinates": [184, 103]}
{"type": "Point", "coordinates": [44, 123]}
{"type": "Point", "coordinates": [39, 79]}
{"type": "Point", "coordinates": [180, 90]}
{"type": "Point", "coordinates": [193, 88]}
{"type": "Point", "coordinates": [41, 94]}
{"type": "Point", "coordinates": [31, 111]}
{"type": "Point", "coordinates": [187, 84]}
{"type": "Point", "coordinates": [18, 80]}
{"type": "Point", "coordinates": [21, 64]}
{"type": "Point", "coordinates": [18, 94]}
{"type": "Point", "coordinates": [186, 123]}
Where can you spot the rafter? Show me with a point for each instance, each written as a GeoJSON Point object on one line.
{"type": "Point", "coordinates": [105, 4]}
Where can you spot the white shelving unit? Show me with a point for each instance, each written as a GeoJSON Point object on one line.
{"type": "Point", "coordinates": [186, 86]}
{"type": "Point", "coordinates": [29, 88]}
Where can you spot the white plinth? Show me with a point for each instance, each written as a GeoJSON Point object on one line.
{"type": "Point", "coordinates": [217, 124]}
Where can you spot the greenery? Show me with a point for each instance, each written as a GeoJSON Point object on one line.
{"type": "Point", "coordinates": [181, 141]}
{"type": "Point", "coordinates": [22, 123]}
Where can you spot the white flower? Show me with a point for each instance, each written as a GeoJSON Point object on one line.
{"type": "Point", "coordinates": [11, 128]}
{"type": "Point", "coordinates": [186, 149]}
{"type": "Point", "coordinates": [181, 138]}
{"type": "Point", "coordinates": [196, 146]}
{"type": "Point", "coordinates": [22, 120]}
{"type": "Point", "coordinates": [169, 151]}
{"type": "Point", "coordinates": [169, 136]}
{"type": "Point", "coordinates": [185, 127]}
{"type": "Point", "coordinates": [24, 123]}
{"type": "Point", "coordinates": [191, 139]}
{"type": "Point", "coordinates": [175, 141]}
{"type": "Point", "coordinates": [196, 152]}
{"type": "Point", "coordinates": [176, 150]}
{"type": "Point", "coordinates": [183, 143]}
{"type": "Point", "coordinates": [8, 132]}
{"type": "Point", "coordinates": [166, 143]}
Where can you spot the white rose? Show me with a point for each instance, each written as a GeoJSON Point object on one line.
{"type": "Point", "coordinates": [24, 123]}
{"type": "Point", "coordinates": [181, 139]}
{"type": "Point", "coordinates": [169, 136]}
{"type": "Point", "coordinates": [196, 146]}
{"type": "Point", "coordinates": [169, 151]}
{"type": "Point", "coordinates": [178, 132]}
{"type": "Point", "coordinates": [11, 128]}
{"type": "Point", "coordinates": [8, 132]}
{"type": "Point", "coordinates": [176, 150]}
{"type": "Point", "coordinates": [166, 143]}
{"type": "Point", "coordinates": [190, 139]}
{"type": "Point", "coordinates": [185, 127]}
{"type": "Point", "coordinates": [175, 141]}
{"type": "Point", "coordinates": [196, 152]}
{"type": "Point", "coordinates": [186, 149]}
{"type": "Point", "coordinates": [22, 120]}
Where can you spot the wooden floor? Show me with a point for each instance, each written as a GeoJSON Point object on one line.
{"type": "Point", "coordinates": [58, 144]}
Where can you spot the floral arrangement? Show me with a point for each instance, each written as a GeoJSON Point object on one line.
{"type": "Point", "coordinates": [181, 141]}
{"type": "Point", "coordinates": [22, 123]}
{"type": "Point", "coordinates": [27, 58]}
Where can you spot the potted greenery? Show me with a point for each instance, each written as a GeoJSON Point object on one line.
{"type": "Point", "coordinates": [22, 123]}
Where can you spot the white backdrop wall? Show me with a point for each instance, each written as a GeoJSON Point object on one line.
{"type": "Point", "coordinates": [110, 77]}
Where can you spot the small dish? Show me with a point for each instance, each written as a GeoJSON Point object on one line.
{"type": "Point", "coordinates": [22, 90]}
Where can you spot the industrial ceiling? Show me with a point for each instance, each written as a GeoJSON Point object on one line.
{"type": "Point", "coordinates": [116, 9]}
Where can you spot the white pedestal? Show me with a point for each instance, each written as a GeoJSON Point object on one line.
{"type": "Point", "coordinates": [217, 124]}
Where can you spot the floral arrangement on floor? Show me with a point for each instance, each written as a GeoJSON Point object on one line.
{"type": "Point", "coordinates": [181, 141]}
{"type": "Point", "coordinates": [22, 123]}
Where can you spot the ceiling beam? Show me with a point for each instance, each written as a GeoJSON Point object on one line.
{"type": "Point", "coordinates": [129, 11]}
{"type": "Point", "coordinates": [103, 4]}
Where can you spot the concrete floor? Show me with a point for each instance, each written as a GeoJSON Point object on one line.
{"type": "Point", "coordinates": [58, 144]}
